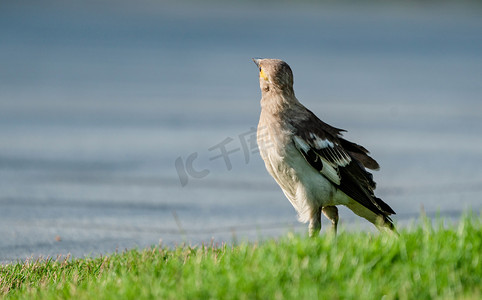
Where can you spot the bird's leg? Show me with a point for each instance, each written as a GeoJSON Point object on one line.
{"type": "Point", "coordinates": [331, 212]}
{"type": "Point", "coordinates": [315, 222]}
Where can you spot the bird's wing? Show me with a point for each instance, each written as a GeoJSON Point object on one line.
{"type": "Point", "coordinates": [340, 161]}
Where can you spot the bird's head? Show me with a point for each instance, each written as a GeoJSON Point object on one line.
{"type": "Point", "coordinates": [274, 76]}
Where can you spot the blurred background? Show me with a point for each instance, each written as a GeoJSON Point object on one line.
{"type": "Point", "coordinates": [113, 115]}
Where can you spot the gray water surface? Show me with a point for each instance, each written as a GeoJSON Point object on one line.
{"type": "Point", "coordinates": [97, 103]}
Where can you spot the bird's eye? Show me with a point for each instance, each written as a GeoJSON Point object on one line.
{"type": "Point", "coordinates": [260, 69]}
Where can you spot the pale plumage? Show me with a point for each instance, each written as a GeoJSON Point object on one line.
{"type": "Point", "coordinates": [314, 166]}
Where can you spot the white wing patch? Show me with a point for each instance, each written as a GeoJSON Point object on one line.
{"type": "Point", "coordinates": [333, 154]}
{"type": "Point", "coordinates": [329, 169]}
{"type": "Point", "coordinates": [321, 143]}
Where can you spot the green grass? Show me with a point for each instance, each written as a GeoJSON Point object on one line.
{"type": "Point", "coordinates": [422, 263]}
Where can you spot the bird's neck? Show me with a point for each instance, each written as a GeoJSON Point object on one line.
{"type": "Point", "coordinates": [277, 103]}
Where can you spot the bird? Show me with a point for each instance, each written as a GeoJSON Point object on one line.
{"type": "Point", "coordinates": [316, 168]}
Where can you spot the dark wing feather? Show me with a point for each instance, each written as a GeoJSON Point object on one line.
{"type": "Point", "coordinates": [360, 154]}
{"type": "Point", "coordinates": [339, 160]}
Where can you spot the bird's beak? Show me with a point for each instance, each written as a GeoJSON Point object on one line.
{"type": "Point", "coordinates": [262, 74]}
{"type": "Point", "coordinates": [256, 61]}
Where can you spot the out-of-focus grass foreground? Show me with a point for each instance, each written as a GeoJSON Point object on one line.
{"type": "Point", "coordinates": [425, 261]}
